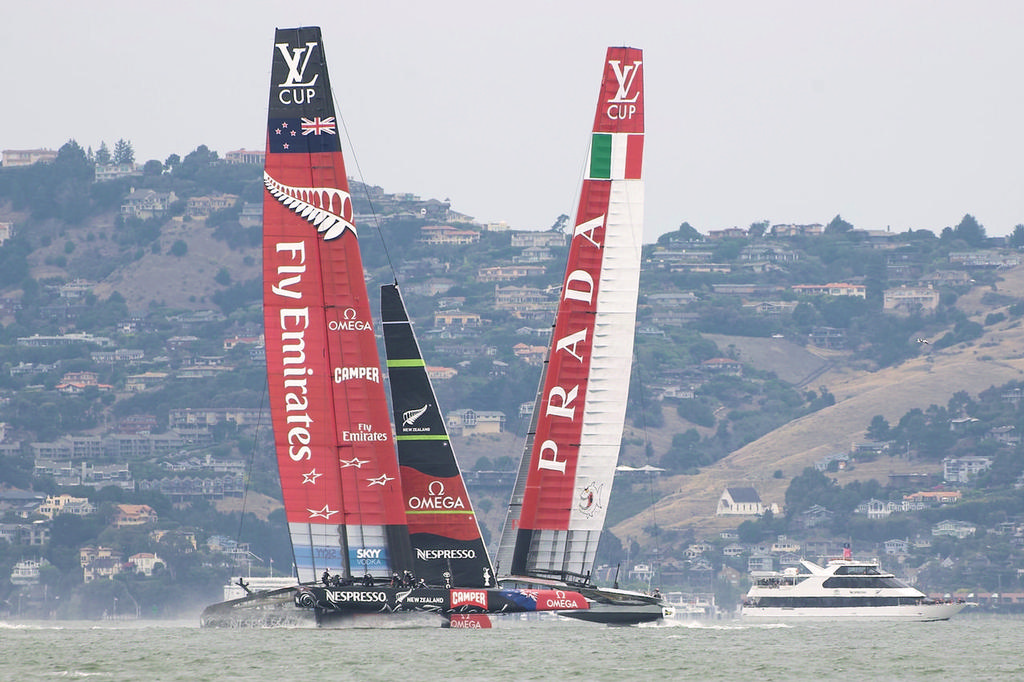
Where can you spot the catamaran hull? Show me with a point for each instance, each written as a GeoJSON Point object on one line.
{"type": "Point", "coordinates": [607, 614]}
{"type": "Point", "coordinates": [905, 612]}
{"type": "Point", "coordinates": [619, 607]}
{"type": "Point", "coordinates": [361, 599]}
{"type": "Point", "coordinates": [384, 606]}
{"type": "Point", "coordinates": [270, 608]}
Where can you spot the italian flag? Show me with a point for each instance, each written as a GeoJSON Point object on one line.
{"type": "Point", "coordinates": [616, 156]}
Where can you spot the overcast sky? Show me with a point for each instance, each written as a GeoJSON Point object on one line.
{"type": "Point", "coordinates": [897, 113]}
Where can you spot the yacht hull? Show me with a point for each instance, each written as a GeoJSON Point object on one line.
{"type": "Point", "coordinates": [907, 612]}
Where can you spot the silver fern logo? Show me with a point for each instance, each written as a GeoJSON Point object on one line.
{"type": "Point", "coordinates": [328, 209]}
{"type": "Point", "coordinates": [409, 417]}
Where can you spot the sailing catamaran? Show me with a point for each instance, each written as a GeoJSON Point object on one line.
{"type": "Point", "coordinates": [369, 535]}
{"type": "Point", "coordinates": [560, 497]}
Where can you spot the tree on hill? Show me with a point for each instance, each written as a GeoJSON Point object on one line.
{"type": "Point", "coordinates": [757, 229]}
{"type": "Point", "coordinates": [102, 157]}
{"type": "Point", "coordinates": [123, 152]}
{"type": "Point", "coordinates": [970, 231]}
{"type": "Point", "coordinates": [838, 226]}
{"type": "Point", "coordinates": [686, 233]}
{"type": "Point", "coordinates": [808, 489]}
{"type": "Point", "coordinates": [561, 222]}
{"type": "Point", "coordinates": [196, 160]}
{"type": "Point", "coordinates": [1016, 238]}
{"type": "Point", "coordinates": [878, 430]}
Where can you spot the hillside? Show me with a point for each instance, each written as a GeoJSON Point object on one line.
{"type": "Point", "coordinates": [689, 502]}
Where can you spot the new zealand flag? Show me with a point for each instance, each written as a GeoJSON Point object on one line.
{"type": "Point", "coordinates": [302, 135]}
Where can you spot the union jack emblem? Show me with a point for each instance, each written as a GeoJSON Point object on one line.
{"type": "Point", "coordinates": [318, 125]}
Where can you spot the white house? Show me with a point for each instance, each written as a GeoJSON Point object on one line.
{"type": "Point", "coordinates": [956, 529]}
{"type": "Point", "coordinates": [739, 502]}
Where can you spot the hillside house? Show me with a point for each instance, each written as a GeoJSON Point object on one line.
{"type": "Point", "coordinates": [441, 373]}
{"type": "Point", "coordinates": [783, 545]}
{"type": "Point", "coordinates": [815, 516]}
{"type": "Point", "coordinates": [136, 383]}
{"type": "Point", "coordinates": [522, 299]}
{"type": "Point", "coordinates": [727, 233]}
{"type": "Point", "coordinates": [40, 341]}
{"type": "Point", "coordinates": [26, 572]}
{"type": "Point", "coordinates": [473, 422]}
{"type": "Point", "coordinates": [896, 546]}
{"type": "Point", "coordinates": [116, 171]}
{"type": "Point", "coordinates": [537, 239]}
{"type": "Point", "coordinates": [128, 515]}
{"type": "Point", "coordinates": [739, 501]}
{"type": "Point", "coordinates": [760, 562]}
{"type": "Point", "coordinates": [65, 504]}
{"type": "Point", "coordinates": [121, 356]}
{"type": "Point", "coordinates": [792, 230]}
{"type": "Point", "coordinates": [532, 355]}
{"type": "Point", "coordinates": [534, 254]}
{"type": "Point", "coordinates": [74, 383]}
{"type": "Point", "coordinates": [733, 549]}
{"type": "Point", "coordinates": [827, 337]}
{"type": "Point", "coordinates": [33, 534]}
{"type": "Point", "coordinates": [447, 235]}
{"type": "Point", "coordinates": [201, 207]}
{"type": "Point", "coordinates": [144, 562]}
{"type": "Point", "coordinates": [147, 203]}
{"type": "Point", "coordinates": [13, 158]}
{"type": "Point", "coordinates": [964, 469]}
{"type": "Point", "coordinates": [507, 273]}
{"type": "Point", "coordinates": [956, 529]}
{"type": "Point", "coordinates": [908, 299]}
{"type": "Point", "coordinates": [246, 156]}
{"type": "Point", "coordinates": [832, 289]}
{"type": "Point", "coordinates": [457, 318]}
{"type": "Point", "coordinates": [432, 286]}
{"type": "Point", "coordinates": [877, 509]}
{"type": "Point", "coordinates": [722, 366]}
{"type": "Point", "coordinates": [984, 259]}
{"type": "Point", "coordinates": [934, 498]}
{"type": "Point", "coordinates": [99, 562]}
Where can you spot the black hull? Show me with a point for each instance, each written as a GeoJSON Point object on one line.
{"type": "Point", "coordinates": [271, 608]}
{"type": "Point", "coordinates": [609, 606]}
{"type": "Point", "coordinates": [619, 607]}
{"type": "Point", "coordinates": [618, 615]}
{"type": "Point", "coordinates": [380, 606]}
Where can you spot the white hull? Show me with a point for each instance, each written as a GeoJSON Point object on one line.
{"type": "Point", "coordinates": [907, 612]}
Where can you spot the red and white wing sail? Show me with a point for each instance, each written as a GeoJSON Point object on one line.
{"type": "Point", "coordinates": [565, 480]}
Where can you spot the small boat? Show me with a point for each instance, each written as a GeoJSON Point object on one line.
{"type": "Point", "coordinates": [844, 589]}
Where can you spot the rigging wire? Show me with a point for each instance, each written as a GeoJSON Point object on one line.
{"type": "Point", "coordinates": [650, 474]}
{"type": "Point", "coordinates": [362, 181]}
{"type": "Point", "coordinates": [252, 458]}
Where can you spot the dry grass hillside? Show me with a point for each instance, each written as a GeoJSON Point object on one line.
{"type": "Point", "coordinates": [180, 282]}
{"type": "Point", "coordinates": [176, 282]}
{"type": "Point", "coordinates": [689, 502]}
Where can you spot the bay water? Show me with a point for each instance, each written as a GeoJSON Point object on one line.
{"type": "Point", "coordinates": [969, 647]}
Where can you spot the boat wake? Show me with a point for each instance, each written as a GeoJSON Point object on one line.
{"type": "Point", "coordinates": [699, 625]}
{"type": "Point", "coordinates": [28, 626]}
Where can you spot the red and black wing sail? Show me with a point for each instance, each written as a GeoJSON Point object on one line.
{"type": "Point", "coordinates": [443, 527]}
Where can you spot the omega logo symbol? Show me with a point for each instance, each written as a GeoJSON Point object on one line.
{"type": "Point", "coordinates": [350, 322]}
